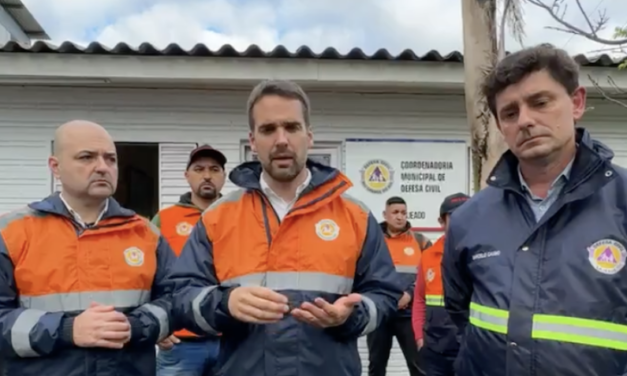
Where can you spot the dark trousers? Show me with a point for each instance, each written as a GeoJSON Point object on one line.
{"type": "Point", "coordinates": [437, 364]}
{"type": "Point", "coordinates": [380, 344]}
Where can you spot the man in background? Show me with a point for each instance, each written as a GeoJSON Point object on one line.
{"type": "Point", "coordinates": [438, 336]}
{"type": "Point", "coordinates": [405, 248]}
{"type": "Point", "coordinates": [82, 280]}
{"type": "Point", "coordinates": [185, 353]}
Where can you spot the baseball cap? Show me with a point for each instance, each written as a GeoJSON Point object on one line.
{"type": "Point", "coordinates": [206, 151]}
{"type": "Point", "coordinates": [453, 202]}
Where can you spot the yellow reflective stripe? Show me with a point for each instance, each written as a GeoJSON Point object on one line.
{"type": "Point", "coordinates": [580, 331]}
{"type": "Point", "coordinates": [434, 300]}
{"type": "Point", "coordinates": [20, 332]}
{"type": "Point", "coordinates": [79, 301]}
{"type": "Point", "coordinates": [406, 269]}
{"type": "Point", "coordinates": [492, 319]}
{"type": "Point", "coordinates": [303, 281]}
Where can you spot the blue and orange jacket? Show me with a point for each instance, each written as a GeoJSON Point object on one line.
{"type": "Point", "coordinates": [545, 297]}
{"type": "Point", "coordinates": [51, 270]}
{"type": "Point", "coordinates": [176, 223]}
{"type": "Point", "coordinates": [328, 245]}
{"type": "Point", "coordinates": [439, 332]}
{"type": "Point", "coordinates": [406, 249]}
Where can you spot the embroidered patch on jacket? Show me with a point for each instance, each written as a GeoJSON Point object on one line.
{"type": "Point", "coordinates": [134, 256]}
{"type": "Point", "coordinates": [184, 228]}
{"type": "Point", "coordinates": [409, 251]}
{"type": "Point", "coordinates": [327, 229]}
{"type": "Point", "coordinates": [607, 256]}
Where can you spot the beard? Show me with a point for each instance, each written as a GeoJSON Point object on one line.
{"type": "Point", "coordinates": [207, 192]}
{"type": "Point", "coordinates": [284, 174]}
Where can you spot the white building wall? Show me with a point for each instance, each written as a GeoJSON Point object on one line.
{"type": "Point", "coordinates": [28, 117]}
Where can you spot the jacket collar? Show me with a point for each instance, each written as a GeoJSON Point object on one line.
{"type": "Point", "coordinates": [247, 175]}
{"type": "Point", "coordinates": [384, 228]}
{"type": "Point", "coordinates": [591, 169]}
{"type": "Point", "coordinates": [54, 205]}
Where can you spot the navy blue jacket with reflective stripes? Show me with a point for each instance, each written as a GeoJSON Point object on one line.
{"type": "Point", "coordinates": [288, 347]}
{"type": "Point", "coordinates": [50, 338]}
{"type": "Point", "coordinates": [546, 298]}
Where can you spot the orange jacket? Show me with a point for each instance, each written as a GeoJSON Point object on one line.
{"type": "Point", "coordinates": [327, 246]}
{"type": "Point", "coordinates": [406, 249]}
{"type": "Point", "coordinates": [439, 332]}
{"type": "Point", "coordinates": [176, 223]}
{"type": "Point", "coordinates": [51, 270]}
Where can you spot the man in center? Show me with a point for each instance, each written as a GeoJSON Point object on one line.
{"type": "Point", "coordinates": [288, 268]}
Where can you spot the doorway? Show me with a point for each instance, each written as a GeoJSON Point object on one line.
{"type": "Point", "coordinates": [138, 177]}
{"type": "Point", "coordinates": [138, 181]}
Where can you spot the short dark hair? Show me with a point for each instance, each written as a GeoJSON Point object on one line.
{"type": "Point", "coordinates": [281, 88]}
{"type": "Point", "coordinates": [395, 200]}
{"type": "Point", "coordinates": [518, 65]}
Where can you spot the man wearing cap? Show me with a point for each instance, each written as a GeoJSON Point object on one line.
{"type": "Point", "coordinates": [186, 353]}
{"type": "Point", "coordinates": [405, 248]}
{"type": "Point", "coordinates": [437, 335]}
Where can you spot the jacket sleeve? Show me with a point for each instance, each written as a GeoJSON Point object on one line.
{"type": "Point", "coordinates": [419, 308]}
{"type": "Point", "coordinates": [25, 332]}
{"type": "Point", "coordinates": [377, 281]}
{"type": "Point", "coordinates": [456, 279]}
{"type": "Point", "coordinates": [200, 303]}
{"type": "Point", "coordinates": [152, 322]}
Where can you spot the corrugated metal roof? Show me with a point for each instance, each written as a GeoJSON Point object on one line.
{"type": "Point", "coordinates": [24, 18]}
{"type": "Point", "coordinates": [254, 51]}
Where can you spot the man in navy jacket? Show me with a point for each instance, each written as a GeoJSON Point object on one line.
{"type": "Point", "coordinates": [533, 265]}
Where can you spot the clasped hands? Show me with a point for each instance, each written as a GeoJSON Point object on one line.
{"type": "Point", "coordinates": [261, 305]}
{"type": "Point", "coordinates": [101, 326]}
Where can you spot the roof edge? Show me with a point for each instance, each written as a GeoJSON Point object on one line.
{"type": "Point", "coordinates": [254, 51]}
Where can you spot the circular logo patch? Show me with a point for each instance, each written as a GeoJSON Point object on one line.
{"type": "Point", "coordinates": [134, 256]}
{"type": "Point", "coordinates": [327, 229]}
{"type": "Point", "coordinates": [409, 251]}
{"type": "Point", "coordinates": [430, 275]}
{"type": "Point", "coordinates": [184, 229]}
{"type": "Point", "coordinates": [607, 256]}
{"type": "Point", "coordinates": [377, 176]}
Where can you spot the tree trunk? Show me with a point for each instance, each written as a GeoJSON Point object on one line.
{"type": "Point", "coordinates": [480, 55]}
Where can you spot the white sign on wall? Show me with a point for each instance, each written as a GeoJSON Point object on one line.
{"type": "Point", "coordinates": [422, 172]}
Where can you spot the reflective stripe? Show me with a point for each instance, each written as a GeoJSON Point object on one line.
{"type": "Point", "coordinates": [303, 281]}
{"type": "Point", "coordinates": [434, 300]}
{"type": "Point", "coordinates": [580, 331]}
{"type": "Point", "coordinates": [406, 269]}
{"type": "Point", "coordinates": [372, 312]}
{"type": "Point", "coordinates": [20, 332]}
{"type": "Point", "coordinates": [198, 317]}
{"type": "Point", "coordinates": [162, 317]}
{"type": "Point", "coordinates": [492, 319]}
{"type": "Point", "coordinates": [79, 301]}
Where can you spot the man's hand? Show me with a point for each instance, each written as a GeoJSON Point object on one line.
{"type": "Point", "coordinates": [420, 343]}
{"type": "Point", "coordinates": [257, 305]}
{"type": "Point", "coordinates": [168, 343]}
{"type": "Point", "coordinates": [101, 326]}
{"type": "Point", "coordinates": [324, 314]}
{"type": "Point", "coordinates": [404, 302]}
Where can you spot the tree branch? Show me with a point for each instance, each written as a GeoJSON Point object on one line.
{"type": "Point", "coordinates": [605, 94]}
{"type": "Point", "coordinates": [557, 10]}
